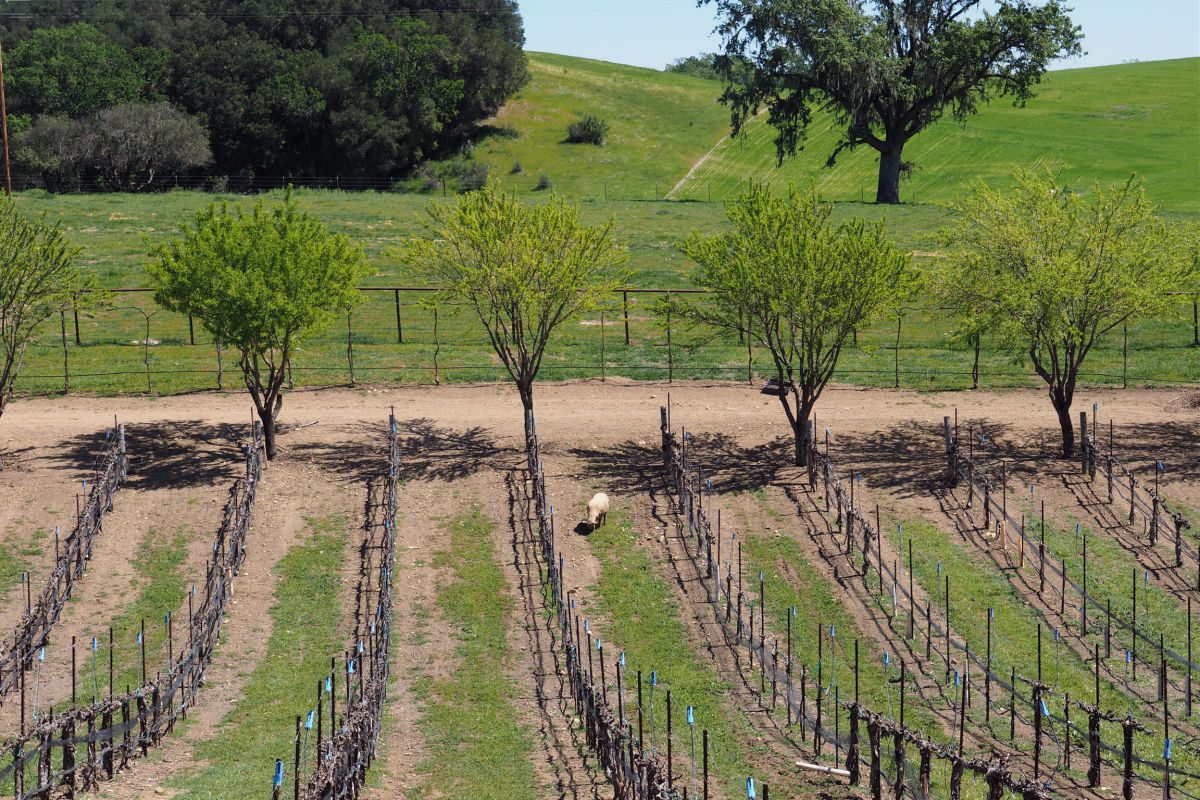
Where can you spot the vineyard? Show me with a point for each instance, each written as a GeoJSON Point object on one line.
{"type": "Point", "coordinates": [406, 604]}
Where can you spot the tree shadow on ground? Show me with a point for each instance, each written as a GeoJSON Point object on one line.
{"type": "Point", "coordinates": [167, 454]}
{"type": "Point", "coordinates": [14, 457]}
{"type": "Point", "coordinates": [427, 452]}
{"type": "Point", "coordinates": [731, 466]}
{"type": "Point", "coordinates": [1173, 443]}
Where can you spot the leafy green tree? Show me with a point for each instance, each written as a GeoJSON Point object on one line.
{"type": "Point", "coordinates": [57, 148]}
{"type": "Point", "coordinates": [38, 278]}
{"type": "Point", "coordinates": [401, 98]}
{"type": "Point", "coordinates": [524, 270]}
{"type": "Point", "coordinates": [1056, 270]}
{"type": "Point", "coordinates": [797, 286]}
{"type": "Point", "coordinates": [76, 70]}
{"type": "Point", "coordinates": [884, 69]}
{"type": "Point", "coordinates": [1189, 247]}
{"type": "Point", "coordinates": [261, 283]}
{"type": "Point", "coordinates": [134, 143]}
{"type": "Point", "coordinates": [701, 66]}
{"type": "Point", "coordinates": [319, 88]}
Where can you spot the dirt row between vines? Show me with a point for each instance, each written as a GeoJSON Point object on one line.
{"type": "Point", "coordinates": [463, 443]}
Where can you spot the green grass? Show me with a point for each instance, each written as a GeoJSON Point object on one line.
{"type": "Point", "coordinates": [478, 747]}
{"type": "Point", "coordinates": [1093, 124]}
{"type": "Point", "coordinates": [643, 618]}
{"type": "Point", "coordinates": [661, 123]}
{"type": "Point", "coordinates": [1098, 123]}
{"type": "Point", "coordinates": [1112, 571]}
{"type": "Point", "coordinates": [304, 634]}
{"type": "Point", "coordinates": [791, 581]}
{"type": "Point", "coordinates": [117, 231]}
{"type": "Point", "coordinates": [16, 555]}
{"type": "Point", "coordinates": [974, 588]}
{"type": "Point", "coordinates": [161, 589]}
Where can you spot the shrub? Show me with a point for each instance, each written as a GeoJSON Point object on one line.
{"type": "Point", "coordinates": [589, 130]}
{"type": "Point", "coordinates": [543, 182]}
{"type": "Point", "coordinates": [474, 177]}
{"type": "Point", "coordinates": [517, 169]}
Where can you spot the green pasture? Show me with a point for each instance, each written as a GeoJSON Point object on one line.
{"type": "Point", "coordinates": [1098, 123]}
{"type": "Point", "coordinates": [117, 232]}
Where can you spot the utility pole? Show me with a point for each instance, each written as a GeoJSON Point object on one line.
{"type": "Point", "coordinates": [4, 127]}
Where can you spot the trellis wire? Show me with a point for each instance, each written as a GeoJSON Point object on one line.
{"type": "Point", "coordinates": [148, 713]}
{"type": "Point", "coordinates": [33, 631]}
{"type": "Point", "coordinates": [1143, 501]}
{"type": "Point", "coordinates": [636, 774]}
{"type": "Point", "coordinates": [342, 762]}
{"type": "Point", "coordinates": [961, 467]}
{"type": "Point", "coordinates": [686, 485]}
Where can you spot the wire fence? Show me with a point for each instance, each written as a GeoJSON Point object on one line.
{"type": "Point", "coordinates": [94, 742]}
{"type": "Point", "coordinates": [1159, 519]}
{"type": "Point", "coordinates": [71, 559]}
{"type": "Point", "coordinates": [340, 761]}
{"type": "Point", "coordinates": [730, 603]}
{"type": "Point", "coordinates": [636, 772]}
{"type": "Point", "coordinates": [1011, 532]}
{"type": "Point", "coordinates": [404, 334]}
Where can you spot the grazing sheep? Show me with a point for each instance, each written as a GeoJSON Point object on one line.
{"type": "Point", "coordinates": [597, 510]}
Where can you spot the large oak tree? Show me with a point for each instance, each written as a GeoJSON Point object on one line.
{"type": "Point", "coordinates": [885, 69]}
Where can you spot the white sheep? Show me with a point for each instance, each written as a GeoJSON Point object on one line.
{"type": "Point", "coordinates": [597, 510]}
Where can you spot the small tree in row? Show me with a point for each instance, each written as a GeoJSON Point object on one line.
{"type": "Point", "coordinates": [261, 283]}
{"type": "Point", "coordinates": [523, 270]}
{"type": "Point", "coordinates": [796, 285]}
{"type": "Point", "coordinates": [1053, 271]}
{"type": "Point", "coordinates": [38, 279]}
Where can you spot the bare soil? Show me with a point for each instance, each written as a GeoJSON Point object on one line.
{"type": "Point", "coordinates": [465, 439]}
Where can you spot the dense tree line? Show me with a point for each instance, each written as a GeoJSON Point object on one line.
{"type": "Point", "coordinates": [281, 87]}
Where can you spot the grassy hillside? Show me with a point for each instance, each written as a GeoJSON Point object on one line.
{"type": "Point", "coordinates": [661, 124]}
{"type": "Point", "coordinates": [1099, 123]}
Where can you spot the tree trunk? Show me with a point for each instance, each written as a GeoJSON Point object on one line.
{"type": "Point", "coordinates": [800, 432]}
{"type": "Point", "coordinates": [267, 415]}
{"type": "Point", "coordinates": [1064, 420]}
{"type": "Point", "coordinates": [888, 190]}
{"type": "Point", "coordinates": [975, 366]}
{"type": "Point", "coordinates": [526, 393]}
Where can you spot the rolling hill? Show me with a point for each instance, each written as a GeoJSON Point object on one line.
{"type": "Point", "coordinates": [668, 137]}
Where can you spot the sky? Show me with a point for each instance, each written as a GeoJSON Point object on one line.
{"type": "Point", "coordinates": [652, 33]}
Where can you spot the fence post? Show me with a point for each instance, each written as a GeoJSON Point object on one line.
{"type": "Point", "coordinates": [75, 314]}
{"type": "Point", "coordinates": [1125, 356]}
{"type": "Point", "coordinates": [899, 320]}
{"type": "Point", "coordinates": [602, 364]}
{"type": "Point", "coordinates": [350, 346]}
{"type": "Point", "coordinates": [625, 313]}
{"type": "Point", "coordinates": [670, 349]}
{"type": "Point", "coordinates": [437, 348]}
{"type": "Point", "coordinates": [66, 365]}
{"type": "Point", "coordinates": [399, 324]}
